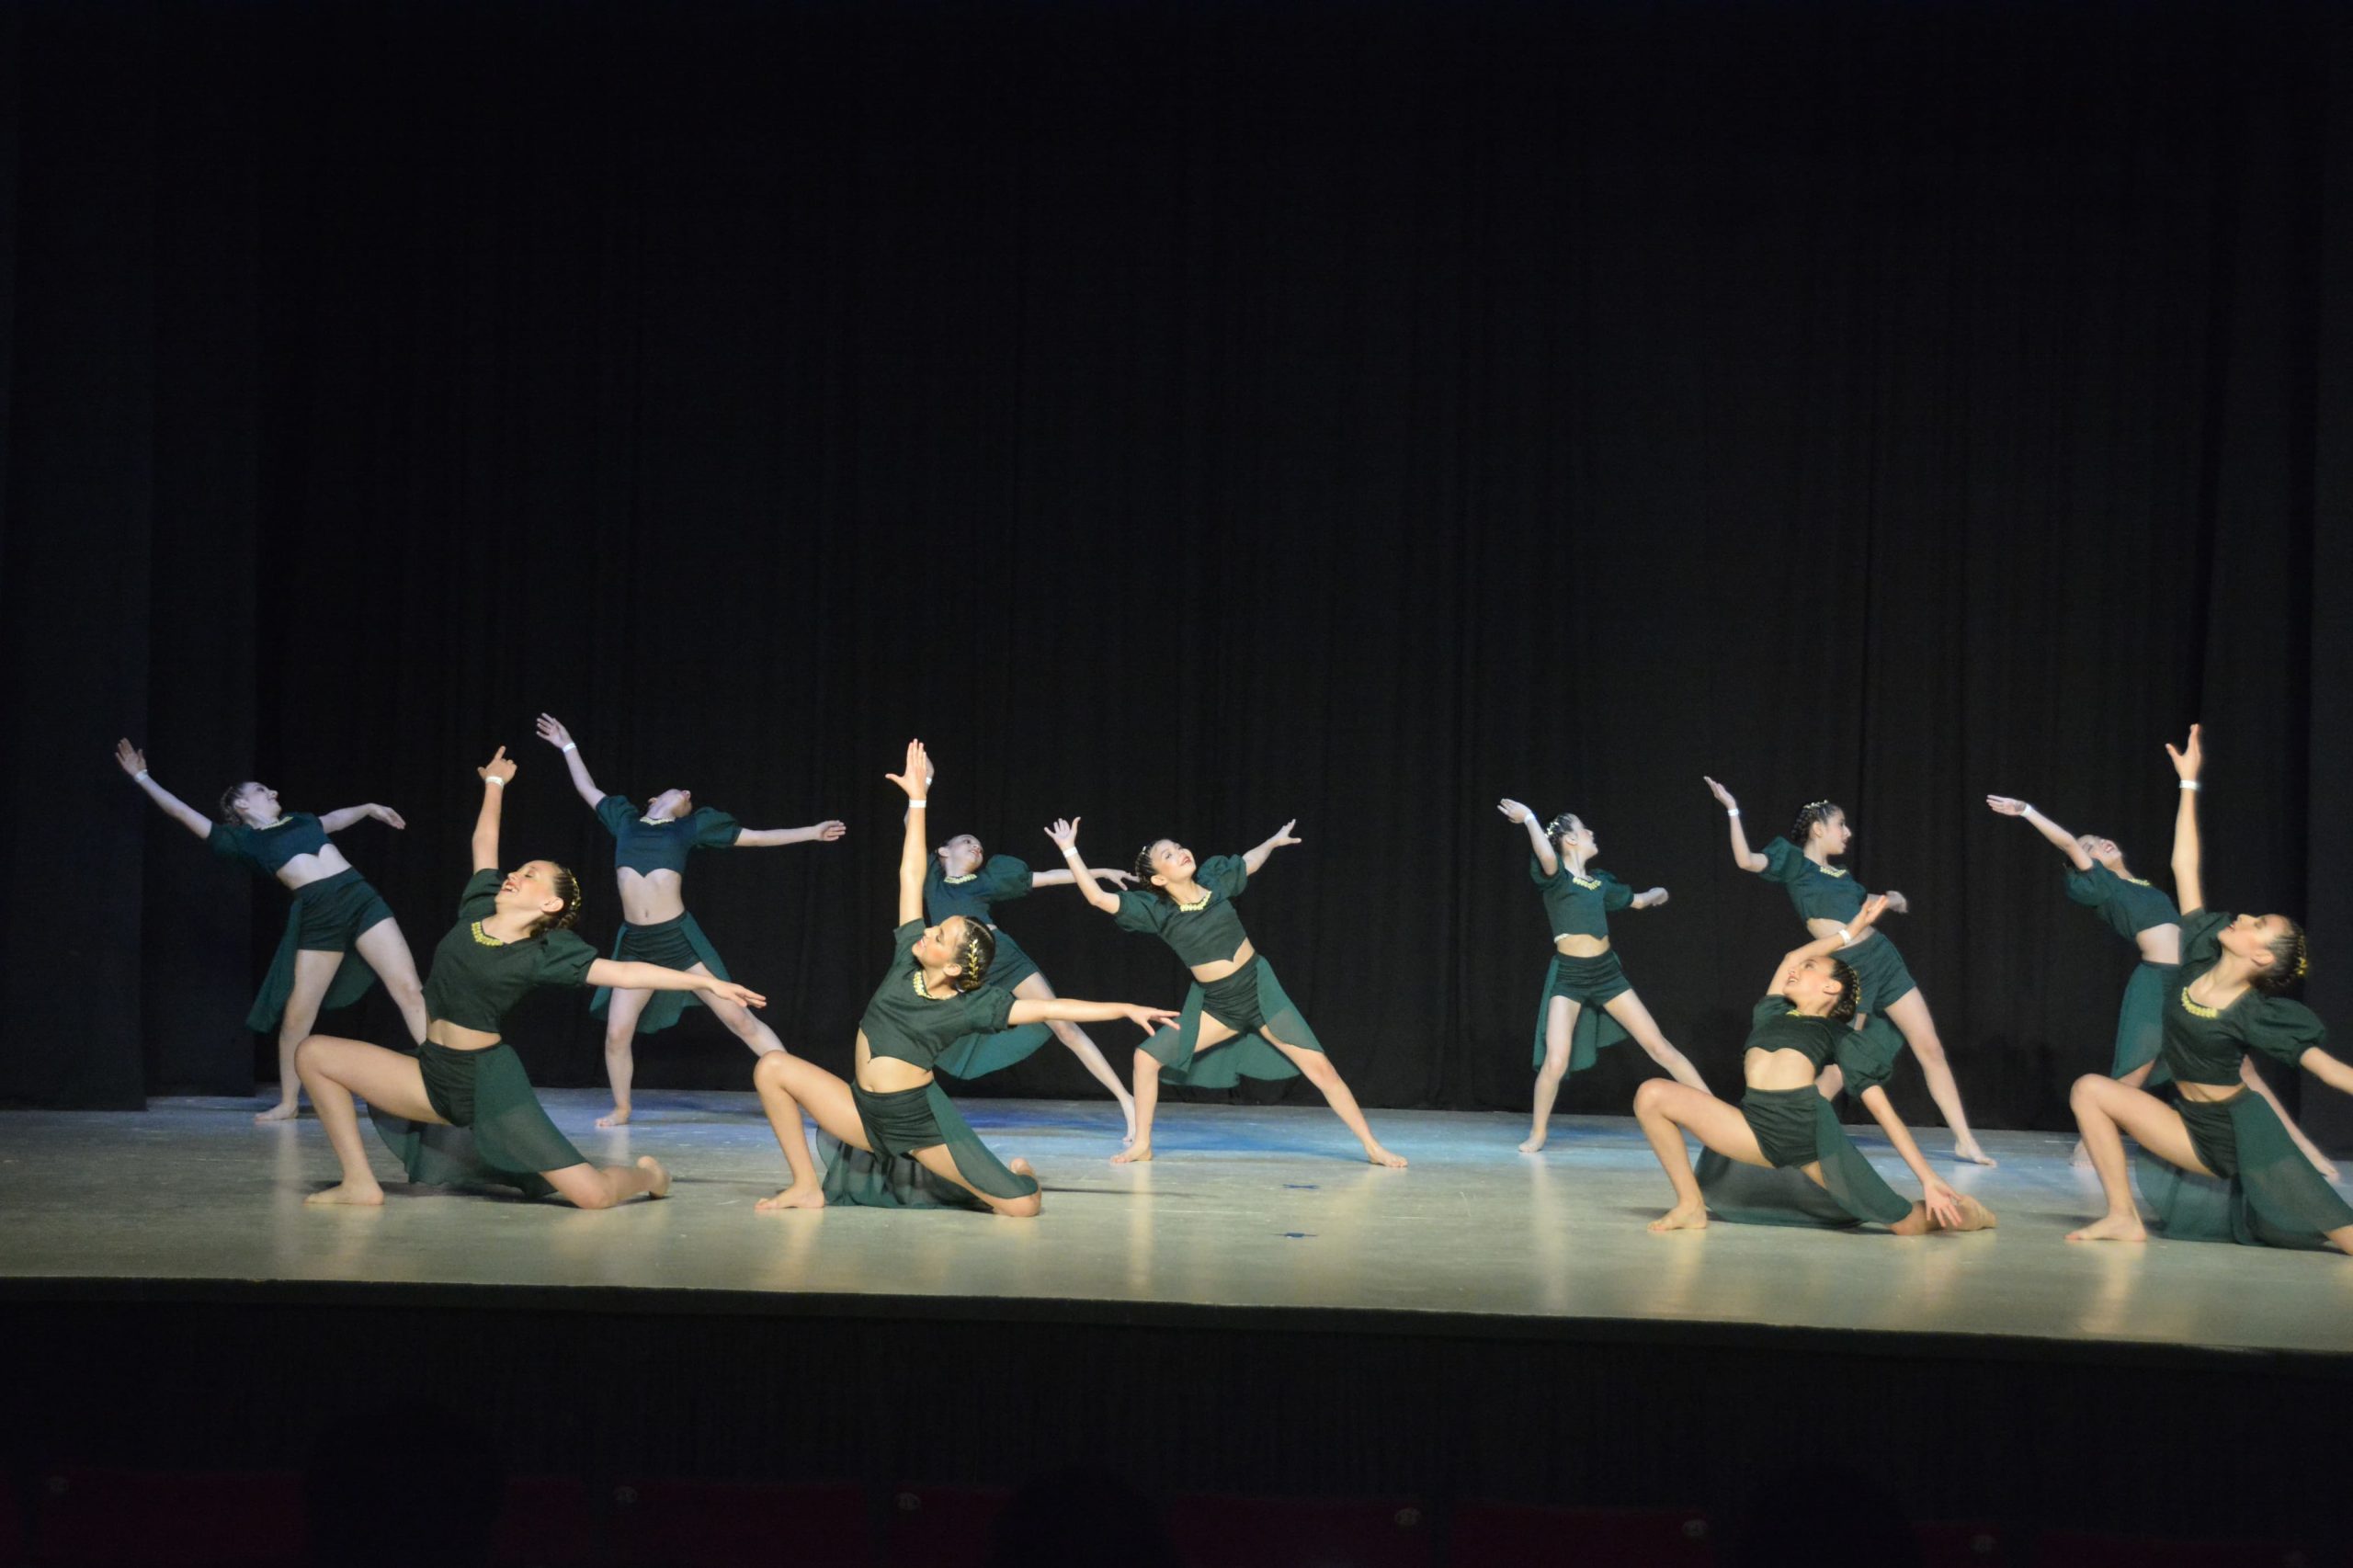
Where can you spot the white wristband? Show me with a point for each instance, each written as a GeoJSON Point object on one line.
{"type": "Point", "coordinates": [1846, 936]}
{"type": "Point", "coordinates": [912, 803]}
{"type": "Point", "coordinates": [140, 776]}
{"type": "Point", "coordinates": [571, 745]}
{"type": "Point", "coordinates": [494, 779]}
{"type": "Point", "coordinates": [2189, 784]}
{"type": "Point", "coordinates": [1732, 810]}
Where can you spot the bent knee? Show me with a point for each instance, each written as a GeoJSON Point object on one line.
{"type": "Point", "coordinates": [770, 1069]}
{"type": "Point", "coordinates": [601, 1199]}
{"type": "Point", "coordinates": [308, 1050]}
{"type": "Point", "coordinates": [2089, 1089]}
{"type": "Point", "coordinates": [1652, 1095]}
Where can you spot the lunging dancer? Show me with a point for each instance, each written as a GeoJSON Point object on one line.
{"type": "Point", "coordinates": [1587, 1002]}
{"type": "Point", "coordinates": [904, 1145]}
{"type": "Point", "coordinates": [1780, 1156]}
{"type": "Point", "coordinates": [1826, 897]}
{"type": "Point", "coordinates": [1237, 1021]}
{"type": "Point", "coordinates": [650, 850]}
{"type": "Point", "coordinates": [2233, 968]}
{"type": "Point", "coordinates": [335, 912]}
{"type": "Point", "coordinates": [462, 1109]}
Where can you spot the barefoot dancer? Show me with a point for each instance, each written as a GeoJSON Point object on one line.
{"type": "Point", "coordinates": [2145, 916]}
{"type": "Point", "coordinates": [1826, 895]}
{"type": "Point", "coordinates": [1234, 997]}
{"type": "Point", "coordinates": [1587, 1003]}
{"type": "Point", "coordinates": [964, 883]}
{"type": "Point", "coordinates": [904, 1145]}
{"type": "Point", "coordinates": [461, 1109]}
{"type": "Point", "coordinates": [1780, 1156]}
{"type": "Point", "coordinates": [2232, 970]}
{"type": "Point", "coordinates": [335, 912]}
{"type": "Point", "coordinates": [649, 852]}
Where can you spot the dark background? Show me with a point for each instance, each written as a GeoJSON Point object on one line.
{"type": "Point", "coordinates": [1191, 416]}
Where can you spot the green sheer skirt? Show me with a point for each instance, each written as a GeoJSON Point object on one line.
{"type": "Point", "coordinates": [1591, 983]}
{"type": "Point", "coordinates": [676, 943]}
{"type": "Point", "coordinates": [2265, 1193]}
{"type": "Point", "coordinates": [328, 916]}
{"type": "Point", "coordinates": [888, 1175]}
{"type": "Point", "coordinates": [1794, 1127]}
{"type": "Point", "coordinates": [2140, 1021]}
{"type": "Point", "coordinates": [1249, 999]}
{"type": "Point", "coordinates": [497, 1131]}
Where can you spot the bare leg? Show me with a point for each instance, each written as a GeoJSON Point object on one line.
{"type": "Point", "coordinates": [1636, 1020]}
{"type": "Point", "coordinates": [939, 1162]}
{"type": "Point", "coordinates": [1080, 1045]}
{"type": "Point", "coordinates": [313, 972]}
{"type": "Point", "coordinates": [2254, 1080]}
{"type": "Point", "coordinates": [601, 1187]}
{"type": "Point", "coordinates": [622, 1009]}
{"type": "Point", "coordinates": [1318, 1069]}
{"type": "Point", "coordinates": [1560, 1028]}
{"type": "Point", "coordinates": [333, 1070]}
{"type": "Point", "coordinates": [740, 1020]}
{"type": "Point", "coordinates": [2132, 1080]}
{"type": "Point", "coordinates": [1147, 1080]}
{"type": "Point", "coordinates": [2105, 1111]}
{"type": "Point", "coordinates": [387, 953]}
{"type": "Point", "coordinates": [790, 1086]}
{"type": "Point", "coordinates": [1665, 1112]}
{"type": "Point", "coordinates": [1910, 1014]}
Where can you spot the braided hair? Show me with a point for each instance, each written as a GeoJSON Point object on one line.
{"type": "Point", "coordinates": [1850, 991]}
{"type": "Point", "coordinates": [567, 888]}
{"type": "Point", "coordinates": [974, 954]}
{"type": "Point", "coordinates": [1813, 812]}
{"type": "Point", "coordinates": [230, 815]}
{"type": "Point", "coordinates": [1559, 827]}
{"type": "Point", "coordinates": [2291, 960]}
{"type": "Point", "coordinates": [1145, 872]}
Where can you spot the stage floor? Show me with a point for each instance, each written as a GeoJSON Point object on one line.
{"type": "Point", "coordinates": [1245, 1209]}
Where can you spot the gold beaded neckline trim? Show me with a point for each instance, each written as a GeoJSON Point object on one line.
{"type": "Point", "coordinates": [485, 938]}
{"type": "Point", "coordinates": [2196, 1009]}
{"type": "Point", "coordinates": [1196, 908]}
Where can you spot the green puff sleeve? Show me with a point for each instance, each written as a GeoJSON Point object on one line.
{"type": "Point", "coordinates": [987, 1010]}
{"type": "Point", "coordinates": [1784, 861]}
{"type": "Point", "coordinates": [2094, 887]}
{"type": "Point", "coordinates": [616, 811]}
{"type": "Point", "coordinates": [904, 939]}
{"type": "Point", "coordinates": [1615, 894]}
{"type": "Point", "coordinates": [564, 960]}
{"type": "Point", "coordinates": [2200, 938]}
{"type": "Point", "coordinates": [480, 900]}
{"type": "Point", "coordinates": [1143, 911]}
{"type": "Point", "coordinates": [715, 830]}
{"type": "Point", "coordinates": [1537, 874]}
{"type": "Point", "coordinates": [233, 841]}
{"type": "Point", "coordinates": [1774, 1007]}
{"type": "Point", "coordinates": [2281, 1030]}
{"type": "Point", "coordinates": [1004, 878]}
{"type": "Point", "coordinates": [1226, 874]}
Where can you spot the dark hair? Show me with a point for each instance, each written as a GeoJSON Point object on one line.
{"type": "Point", "coordinates": [1557, 826]}
{"type": "Point", "coordinates": [1850, 991]}
{"type": "Point", "coordinates": [1145, 873]}
{"type": "Point", "coordinates": [567, 888]}
{"type": "Point", "coordinates": [974, 954]}
{"type": "Point", "coordinates": [230, 815]}
{"type": "Point", "coordinates": [1808, 815]}
{"type": "Point", "coordinates": [2290, 959]}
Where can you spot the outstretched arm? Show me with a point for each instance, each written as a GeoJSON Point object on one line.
{"type": "Point", "coordinates": [2011, 807]}
{"type": "Point", "coordinates": [1065, 1010]}
{"type": "Point", "coordinates": [1822, 946]}
{"type": "Point", "coordinates": [2186, 885]}
{"type": "Point", "coordinates": [2330, 1069]}
{"type": "Point", "coordinates": [770, 837]}
{"type": "Point", "coordinates": [1258, 857]}
{"type": "Point", "coordinates": [622, 975]}
{"type": "Point", "coordinates": [1944, 1204]}
{"type": "Point", "coordinates": [551, 731]}
{"type": "Point", "coordinates": [913, 859]}
{"type": "Point", "coordinates": [1100, 873]}
{"type": "Point", "coordinates": [495, 775]}
{"type": "Point", "coordinates": [1744, 857]}
{"type": "Point", "coordinates": [335, 822]}
{"type": "Point", "coordinates": [134, 762]}
{"type": "Point", "coordinates": [1064, 833]}
{"type": "Point", "coordinates": [1650, 900]}
{"type": "Point", "coordinates": [1538, 841]}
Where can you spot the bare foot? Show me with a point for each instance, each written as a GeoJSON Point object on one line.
{"type": "Point", "coordinates": [359, 1195]}
{"type": "Point", "coordinates": [1133, 1155]}
{"type": "Point", "coordinates": [1974, 1216]}
{"type": "Point", "coordinates": [1129, 1108]}
{"type": "Point", "coordinates": [800, 1195]}
{"type": "Point", "coordinates": [1534, 1141]}
{"type": "Point", "coordinates": [284, 1111]}
{"type": "Point", "coordinates": [616, 1117]}
{"type": "Point", "coordinates": [1380, 1156]}
{"type": "Point", "coordinates": [1683, 1217]}
{"type": "Point", "coordinates": [658, 1172]}
{"type": "Point", "coordinates": [2082, 1156]}
{"type": "Point", "coordinates": [2112, 1228]}
{"type": "Point", "coordinates": [1020, 1166]}
{"type": "Point", "coordinates": [1966, 1149]}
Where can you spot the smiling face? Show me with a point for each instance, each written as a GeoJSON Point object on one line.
{"type": "Point", "coordinates": [533, 888]}
{"type": "Point", "coordinates": [1813, 985]}
{"type": "Point", "coordinates": [1170, 862]}
{"type": "Point", "coordinates": [256, 804]}
{"type": "Point", "coordinates": [961, 855]}
{"type": "Point", "coordinates": [2103, 850]}
{"type": "Point", "coordinates": [671, 804]}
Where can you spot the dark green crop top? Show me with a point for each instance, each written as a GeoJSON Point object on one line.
{"type": "Point", "coordinates": [908, 1023]}
{"type": "Point", "coordinates": [1207, 932]}
{"type": "Point", "coordinates": [642, 846]}
{"type": "Point", "coordinates": [1579, 906]}
{"type": "Point", "coordinates": [2203, 1044]}
{"type": "Point", "coordinates": [1000, 878]}
{"type": "Point", "coordinates": [1775, 1024]}
{"type": "Point", "coordinates": [2128, 904]}
{"type": "Point", "coordinates": [1820, 892]}
{"type": "Point", "coordinates": [476, 980]}
{"type": "Point", "coordinates": [266, 849]}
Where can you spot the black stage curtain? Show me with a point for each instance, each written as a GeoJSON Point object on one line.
{"type": "Point", "coordinates": [1192, 417]}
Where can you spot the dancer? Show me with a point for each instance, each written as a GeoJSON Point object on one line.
{"type": "Point", "coordinates": [904, 1144]}
{"type": "Point", "coordinates": [650, 850]}
{"type": "Point", "coordinates": [2233, 969]}
{"type": "Point", "coordinates": [2145, 916]}
{"type": "Point", "coordinates": [1825, 895]}
{"type": "Point", "coordinates": [462, 1109]}
{"type": "Point", "coordinates": [1780, 1156]}
{"type": "Point", "coordinates": [335, 912]}
{"type": "Point", "coordinates": [1587, 1002]}
{"type": "Point", "coordinates": [1234, 997]}
{"type": "Point", "coordinates": [964, 882]}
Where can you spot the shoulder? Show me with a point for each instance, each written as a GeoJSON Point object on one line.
{"type": "Point", "coordinates": [1539, 875]}
{"type": "Point", "coordinates": [1784, 861]}
{"type": "Point", "coordinates": [616, 811]}
{"type": "Point", "coordinates": [1767, 1007]}
{"type": "Point", "coordinates": [480, 892]}
{"type": "Point", "coordinates": [1142, 911]}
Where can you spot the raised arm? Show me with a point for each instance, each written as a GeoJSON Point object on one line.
{"type": "Point", "coordinates": [2186, 763]}
{"type": "Point", "coordinates": [1650, 899]}
{"type": "Point", "coordinates": [1064, 833]}
{"type": "Point", "coordinates": [770, 837]}
{"type": "Point", "coordinates": [1257, 858]}
{"type": "Point", "coordinates": [1538, 840]}
{"type": "Point", "coordinates": [134, 762]}
{"type": "Point", "coordinates": [1822, 946]}
{"type": "Point", "coordinates": [496, 773]}
{"type": "Point", "coordinates": [335, 822]}
{"type": "Point", "coordinates": [1065, 1010]}
{"type": "Point", "coordinates": [551, 731]}
{"type": "Point", "coordinates": [2009, 807]}
{"type": "Point", "coordinates": [912, 857]}
{"type": "Point", "coordinates": [1944, 1204]}
{"type": "Point", "coordinates": [1744, 857]}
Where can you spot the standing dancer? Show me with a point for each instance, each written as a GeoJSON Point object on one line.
{"type": "Point", "coordinates": [2145, 916]}
{"type": "Point", "coordinates": [963, 883]}
{"type": "Point", "coordinates": [1780, 1156]}
{"type": "Point", "coordinates": [1587, 1002]}
{"type": "Point", "coordinates": [1826, 896]}
{"type": "Point", "coordinates": [1235, 997]}
{"type": "Point", "coordinates": [904, 1144]}
{"type": "Point", "coordinates": [2232, 970]}
{"type": "Point", "coordinates": [462, 1108]}
{"type": "Point", "coordinates": [335, 912]}
{"type": "Point", "coordinates": [649, 852]}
